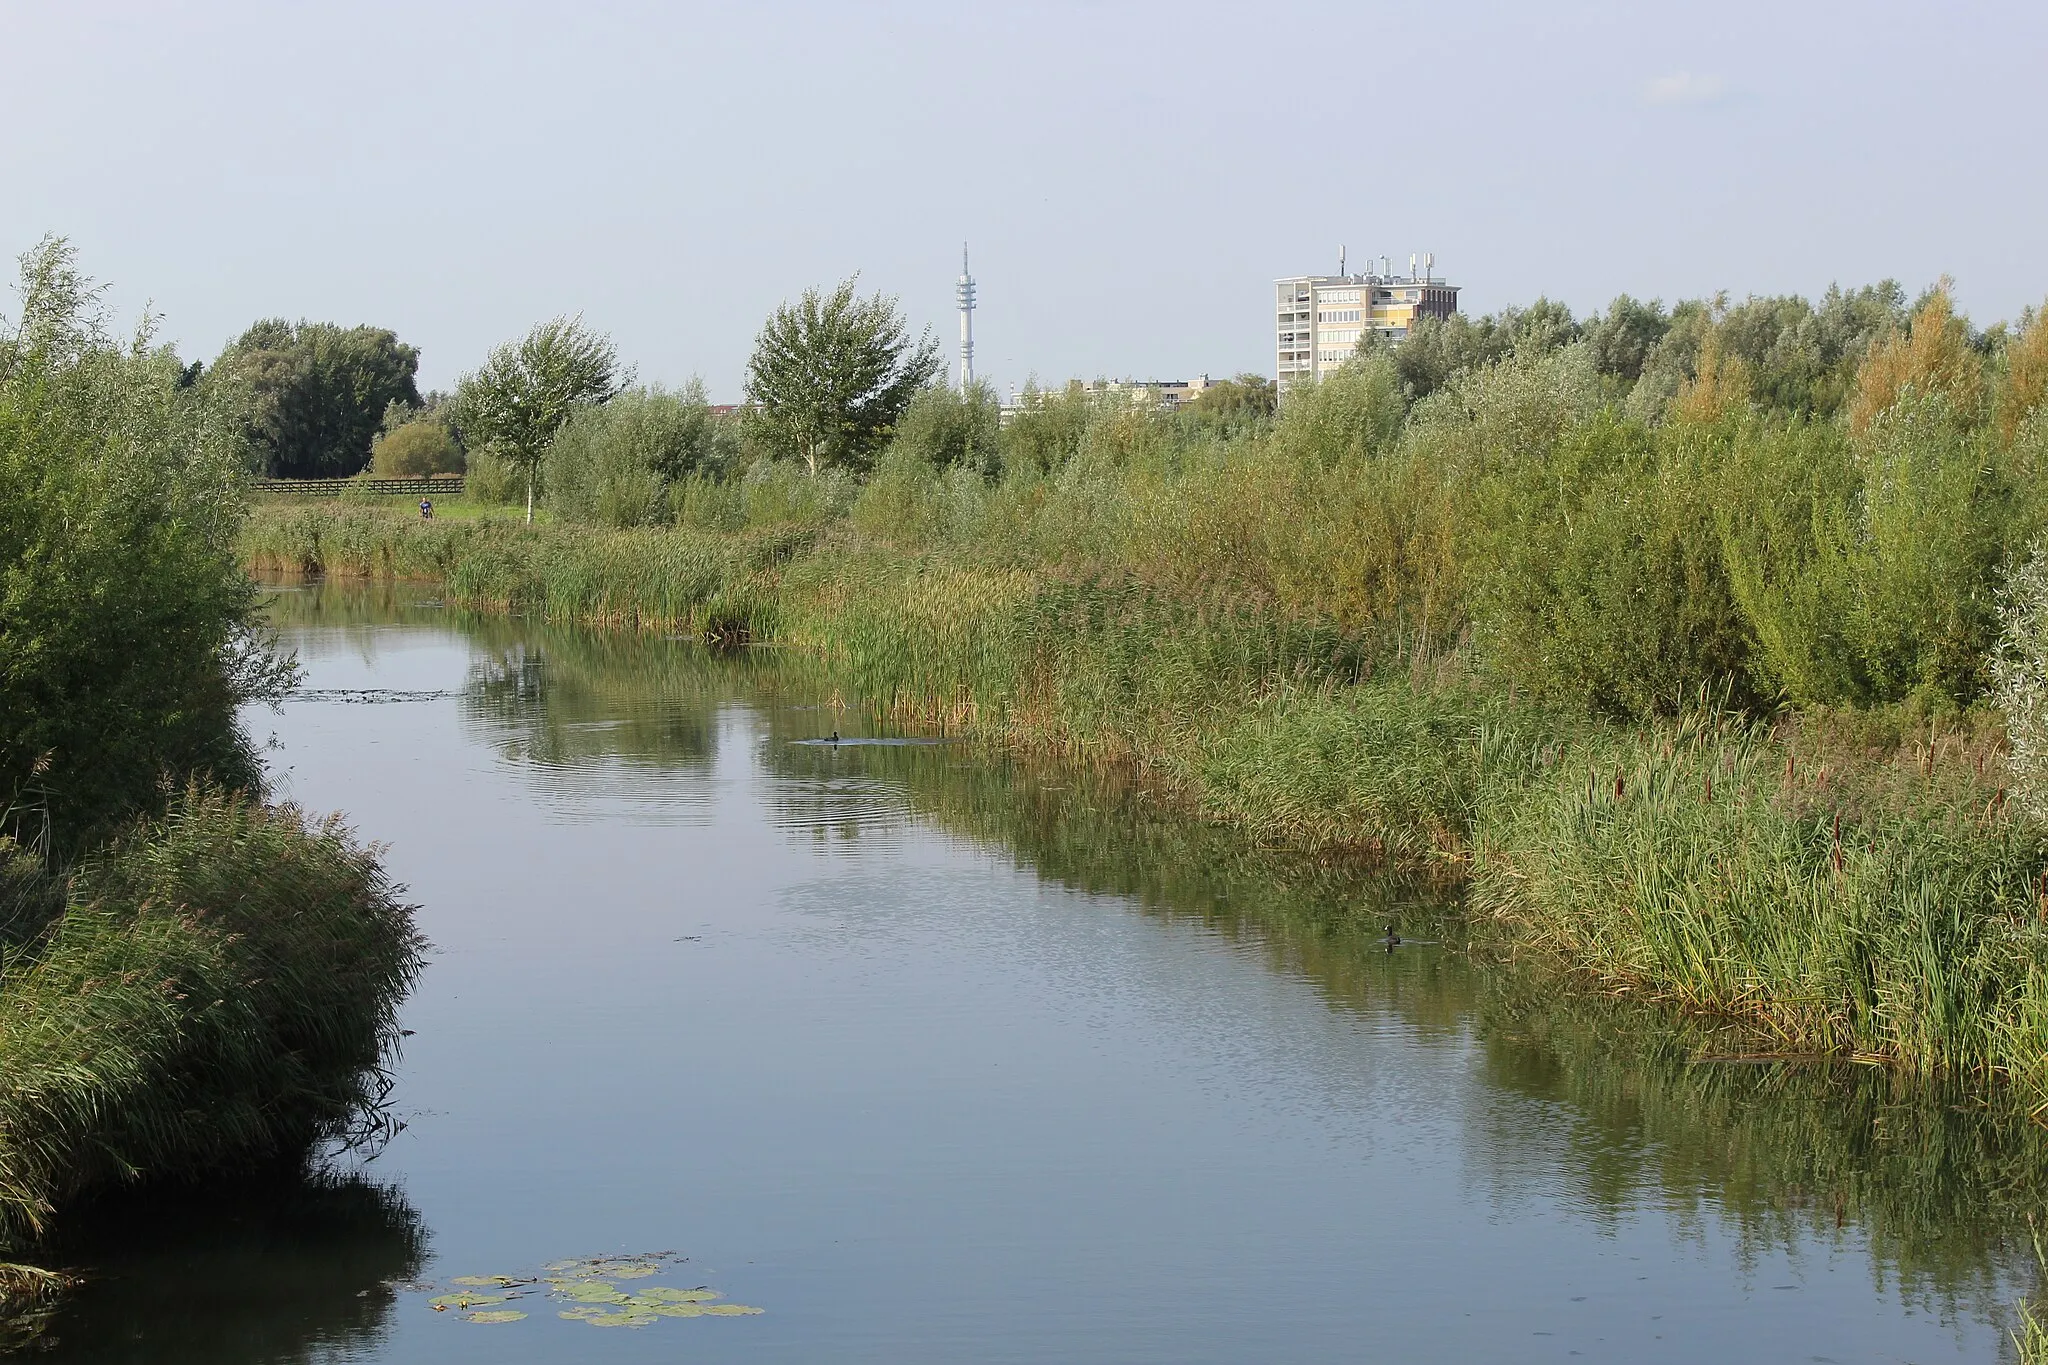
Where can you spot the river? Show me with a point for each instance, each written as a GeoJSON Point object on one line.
{"type": "Point", "coordinates": [934, 1058]}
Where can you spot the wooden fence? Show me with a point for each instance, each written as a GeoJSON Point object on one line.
{"type": "Point", "coordinates": [426, 486]}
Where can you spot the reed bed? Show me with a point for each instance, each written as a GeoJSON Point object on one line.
{"type": "Point", "coordinates": [216, 989]}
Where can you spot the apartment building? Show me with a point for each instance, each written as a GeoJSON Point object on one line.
{"type": "Point", "coordinates": [1319, 319]}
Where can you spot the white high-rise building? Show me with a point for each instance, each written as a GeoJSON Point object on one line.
{"type": "Point", "coordinates": [1319, 319]}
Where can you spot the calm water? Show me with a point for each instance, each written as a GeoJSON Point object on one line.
{"type": "Point", "coordinates": [935, 1060]}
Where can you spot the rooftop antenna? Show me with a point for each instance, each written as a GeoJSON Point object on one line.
{"type": "Point", "coordinates": [1411, 265]}
{"type": "Point", "coordinates": [1386, 266]}
{"type": "Point", "coordinates": [1340, 258]}
{"type": "Point", "coordinates": [963, 291]}
{"type": "Point", "coordinates": [1429, 268]}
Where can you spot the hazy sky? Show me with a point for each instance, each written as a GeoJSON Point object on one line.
{"type": "Point", "coordinates": [1131, 176]}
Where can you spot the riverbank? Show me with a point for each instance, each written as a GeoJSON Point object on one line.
{"type": "Point", "coordinates": [1849, 884]}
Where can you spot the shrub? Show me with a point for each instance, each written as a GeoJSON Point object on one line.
{"type": "Point", "coordinates": [614, 465]}
{"type": "Point", "coordinates": [222, 987]}
{"type": "Point", "coordinates": [424, 446]}
{"type": "Point", "coordinates": [126, 643]}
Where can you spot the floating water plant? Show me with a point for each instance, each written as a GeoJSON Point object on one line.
{"type": "Point", "coordinates": [591, 1290]}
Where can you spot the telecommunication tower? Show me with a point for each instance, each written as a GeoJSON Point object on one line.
{"type": "Point", "coordinates": [964, 292]}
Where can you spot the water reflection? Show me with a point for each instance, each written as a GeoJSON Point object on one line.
{"type": "Point", "coordinates": [290, 1268]}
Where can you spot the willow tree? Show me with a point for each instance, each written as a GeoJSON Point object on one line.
{"type": "Point", "coordinates": [518, 400]}
{"type": "Point", "coordinates": [832, 374]}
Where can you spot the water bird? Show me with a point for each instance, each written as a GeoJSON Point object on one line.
{"type": "Point", "coordinates": [834, 738]}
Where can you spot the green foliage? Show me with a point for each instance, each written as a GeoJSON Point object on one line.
{"type": "Point", "coordinates": [517, 401]}
{"type": "Point", "coordinates": [946, 427]}
{"type": "Point", "coordinates": [222, 986]}
{"type": "Point", "coordinates": [1242, 399]}
{"type": "Point", "coordinates": [1600, 580]}
{"type": "Point", "coordinates": [422, 446]}
{"type": "Point", "coordinates": [125, 643]}
{"type": "Point", "coordinates": [616, 465]}
{"type": "Point", "coordinates": [832, 374]}
{"type": "Point", "coordinates": [1351, 414]}
{"type": "Point", "coordinates": [1870, 570]}
{"type": "Point", "coordinates": [308, 397]}
{"type": "Point", "coordinates": [1048, 428]}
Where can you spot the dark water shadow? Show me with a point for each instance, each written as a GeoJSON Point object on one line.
{"type": "Point", "coordinates": [284, 1267]}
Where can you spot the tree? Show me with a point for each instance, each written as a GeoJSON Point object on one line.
{"type": "Point", "coordinates": [617, 464]}
{"type": "Point", "coordinates": [948, 427]}
{"type": "Point", "coordinates": [1247, 397]}
{"type": "Point", "coordinates": [309, 396]}
{"type": "Point", "coordinates": [832, 374]}
{"type": "Point", "coordinates": [516, 403]}
{"type": "Point", "coordinates": [127, 628]}
{"type": "Point", "coordinates": [421, 446]}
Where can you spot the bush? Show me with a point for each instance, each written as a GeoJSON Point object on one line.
{"type": "Point", "coordinates": [221, 987]}
{"type": "Point", "coordinates": [424, 446]}
{"type": "Point", "coordinates": [493, 480]}
{"type": "Point", "coordinates": [126, 644]}
{"type": "Point", "coordinates": [615, 464]}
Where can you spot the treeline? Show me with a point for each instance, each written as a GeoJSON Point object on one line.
{"type": "Point", "coordinates": [196, 982]}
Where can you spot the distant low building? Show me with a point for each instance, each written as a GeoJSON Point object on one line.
{"type": "Point", "coordinates": [1319, 319]}
{"type": "Point", "coordinates": [1162, 395]}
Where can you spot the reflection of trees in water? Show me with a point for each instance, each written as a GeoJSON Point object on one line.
{"type": "Point", "coordinates": [286, 1269]}
{"type": "Point", "coordinates": [560, 699]}
{"type": "Point", "coordinates": [1937, 1184]}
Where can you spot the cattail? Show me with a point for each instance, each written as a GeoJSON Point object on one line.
{"type": "Point", "coordinates": [1838, 841]}
{"type": "Point", "coordinates": [1617, 784]}
{"type": "Point", "coordinates": [1710, 786]}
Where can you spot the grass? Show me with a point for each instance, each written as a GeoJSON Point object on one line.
{"type": "Point", "coordinates": [216, 989]}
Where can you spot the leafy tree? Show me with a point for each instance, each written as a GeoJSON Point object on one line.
{"type": "Point", "coordinates": [1622, 340]}
{"type": "Point", "coordinates": [1247, 397]}
{"type": "Point", "coordinates": [618, 464]}
{"type": "Point", "coordinates": [1934, 356]}
{"type": "Point", "coordinates": [1438, 350]}
{"type": "Point", "coordinates": [1048, 428]}
{"type": "Point", "coordinates": [125, 622]}
{"type": "Point", "coordinates": [2024, 386]}
{"type": "Point", "coordinates": [952, 428]}
{"type": "Point", "coordinates": [310, 395]}
{"type": "Point", "coordinates": [516, 403]}
{"type": "Point", "coordinates": [421, 446]}
{"type": "Point", "coordinates": [832, 374]}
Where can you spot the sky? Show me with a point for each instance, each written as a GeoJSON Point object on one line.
{"type": "Point", "coordinates": [1130, 177]}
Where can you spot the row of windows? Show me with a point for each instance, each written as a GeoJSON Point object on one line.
{"type": "Point", "coordinates": [1338, 315]}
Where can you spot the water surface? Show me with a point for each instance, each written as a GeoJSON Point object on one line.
{"type": "Point", "coordinates": [936, 1059]}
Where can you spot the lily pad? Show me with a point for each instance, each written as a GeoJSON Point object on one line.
{"type": "Point", "coordinates": [731, 1310]}
{"type": "Point", "coordinates": [592, 1291]}
{"type": "Point", "coordinates": [495, 1315]}
{"type": "Point", "coordinates": [636, 1318]}
{"type": "Point", "coordinates": [482, 1281]}
{"type": "Point", "coordinates": [582, 1311]}
{"type": "Point", "coordinates": [679, 1310]}
{"type": "Point", "coordinates": [465, 1300]}
{"type": "Point", "coordinates": [631, 1272]}
{"type": "Point", "coordinates": [663, 1294]}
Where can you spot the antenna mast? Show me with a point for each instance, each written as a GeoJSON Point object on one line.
{"type": "Point", "coordinates": [964, 292]}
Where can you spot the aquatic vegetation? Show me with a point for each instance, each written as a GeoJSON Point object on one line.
{"type": "Point", "coordinates": [218, 987]}
{"type": "Point", "coordinates": [589, 1286]}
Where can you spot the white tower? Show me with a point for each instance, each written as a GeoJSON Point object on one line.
{"type": "Point", "coordinates": [964, 292]}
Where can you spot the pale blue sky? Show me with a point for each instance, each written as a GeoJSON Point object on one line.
{"type": "Point", "coordinates": [1131, 176]}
